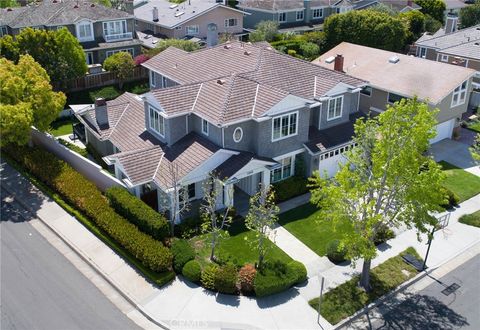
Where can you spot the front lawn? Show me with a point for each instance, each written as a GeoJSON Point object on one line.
{"type": "Point", "coordinates": [347, 298]}
{"type": "Point", "coordinates": [463, 183]}
{"type": "Point", "coordinates": [305, 224]}
{"type": "Point", "coordinates": [237, 247]}
{"type": "Point", "coordinates": [471, 219]}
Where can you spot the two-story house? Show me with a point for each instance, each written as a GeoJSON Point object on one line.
{"type": "Point", "coordinates": [192, 18]}
{"type": "Point", "coordinates": [100, 30]}
{"type": "Point", "coordinates": [393, 76]}
{"type": "Point", "coordinates": [241, 110]}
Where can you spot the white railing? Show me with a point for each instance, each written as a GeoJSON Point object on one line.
{"type": "Point", "coordinates": [117, 37]}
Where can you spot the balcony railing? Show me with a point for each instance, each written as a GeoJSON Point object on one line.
{"type": "Point", "coordinates": [117, 37]}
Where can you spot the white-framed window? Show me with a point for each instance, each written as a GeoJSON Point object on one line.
{"type": "Point", "coordinates": [164, 82]}
{"type": "Point", "coordinates": [284, 126]}
{"type": "Point", "coordinates": [205, 127]}
{"type": "Point", "coordinates": [189, 190]}
{"type": "Point", "coordinates": [109, 53]}
{"type": "Point", "coordinates": [231, 22]}
{"type": "Point", "coordinates": [300, 15]}
{"type": "Point", "coordinates": [367, 91]}
{"type": "Point", "coordinates": [114, 27]}
{"type": "Point", "coordinates": [3, 31]}
{"type": "Point", "coordinates": [337, 10]}
{"type": "Point", "coordinates": [317, 13]}
{"type": "Point", "coordinates": [153, 82]}
{"type": "Point", "coordinates": [282, 17]}
{"type": "Point", "coordinates": [89, 57]}
{"type": "Point", "coordinates": [85, 31]}
{"type": "Point", "coordinates": [284, 171]}
{"type": "Point", "coordinates": [237, 134]}
{"type": "Point", "coordinates": [192, 30]}
{"type": "Point", "coordinates": [392, 98]}
{"type": "Point", "coordinates": [444, 58]}
{"type": "Point", "coordinates": [422, 52]}
{"type": "Point", "coordinates": [460, 94]}
{"type": "Point", "coordinates": [156, 121]}
{"type": "Point", "coordinates": [335, 107]}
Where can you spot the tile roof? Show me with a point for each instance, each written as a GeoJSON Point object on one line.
{"type": "Point", "coordinates": [443, 41]}
{"type": "Point", "coordinates": [410, 76]}
{"type": "Point", "coordinates": [61, 13]}
{"type": "Point", "coordinates": [274, 5]}
{"type": "Point", "coordinates": [469, 49]}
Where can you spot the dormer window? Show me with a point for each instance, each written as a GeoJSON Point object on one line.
{"type": "Point", "coordinates": [204, 127]}
{"type": "Point", "coordinates": [156, 121]}
{"type": "Point", "coordinates": [335, 107]}
{"type": "Point", "coordinates": [85, 31]}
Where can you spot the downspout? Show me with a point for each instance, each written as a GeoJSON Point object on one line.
{"type": "Point", "coordinates": [223, 137]}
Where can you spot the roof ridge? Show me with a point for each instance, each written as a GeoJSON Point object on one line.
{"type": "Point", "coordinates": [134, 151]}
{"type": "Point", "coordinates": [119, 118]}
{"type": "Point", "coordinates": [227, 96]}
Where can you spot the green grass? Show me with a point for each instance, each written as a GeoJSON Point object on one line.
{"type": "Point", "coordinates": [305, 224]}
{"type": "Point", "coordinates": [237, 247]}
{"type": "Point", "coordinates": [347, 298]}
{"type": "Point", "coordinates": [474, 126]}
{"type": "Point", "coordinates": [108, 92]}
{"type": "Point", "coordinates": [471, 219]}
{"type": "Point", "coordinates": [158, 278]}
{"type": "Point", "coordinates": [464, 184]}
{"type": "Point", "coordinates": [61, 127]}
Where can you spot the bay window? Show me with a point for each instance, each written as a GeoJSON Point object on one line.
{"type": "Point", "coordinates": [284, 126]}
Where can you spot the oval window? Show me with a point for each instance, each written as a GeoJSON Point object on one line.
{"type": "Point", "coordinates": [237, 134]}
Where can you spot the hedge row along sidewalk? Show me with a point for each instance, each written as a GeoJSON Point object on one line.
{"type": "Point", "coordinates": [88, 200]}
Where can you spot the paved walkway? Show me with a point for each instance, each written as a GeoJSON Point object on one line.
{"type": "Point", "coordinates": [455, 153]}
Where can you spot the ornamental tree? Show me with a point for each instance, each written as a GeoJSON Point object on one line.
{"type": "Point", "coordinates": [387, 180]}
{"type": "Point", "coordinates": [26, 99]}
{"type": "Point", "coordinates": [434, 8]}
{"type": "Point", "coordinates": [264, 31]}
{"type": "Point", "coordinates": [121, 64]}
{"type": "Point", "coordinates": [470, 16]}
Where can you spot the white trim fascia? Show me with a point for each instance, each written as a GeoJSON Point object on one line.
{"type": "Point", "coordinates": [158, 166]}
{"type": "Point", "coordinates": [315, 87]}
{"type": "Point", "coordinates": [255, 100]}
{"type": "Point", "coordinates": [196, 97]}
{"type": "Point", "coordinates": [269, 11]}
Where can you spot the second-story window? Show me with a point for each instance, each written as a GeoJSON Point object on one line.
{"type": "Point", "coordinates": [284, 126]}
{"type": "Point", "coordinates": [282, 17]}
{"type": "Point", "coordinates": [85, 31]}
{"type": "Point", "coordinates": [192, 30]}
{"type": "Point", "coordinates": [204, 127]}
{"type": "Point", "coordinates": [231, 22]}
{"type": "Point", "coordinates": [317, 13]}
{"type": "Point", "coordinates": [460, 94]}
{"type": "Point", "coordinates": [300, 15]}
{"type": "Point", "coordinates": [335, 106]}
{"type": "Point", "coordinates": [157, 122]}
{"type": "Point", "coordinates": [115, 30]}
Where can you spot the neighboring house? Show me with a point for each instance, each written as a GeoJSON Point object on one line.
{"type": "Point", "coordinates": [297, 15]}
{"type": "Point", "coordinates": [246, 112]}
{"type": "Point", "coordinates": [101, 31]}
{"type": "Point", "coordinates": [393, 76]}
{"type": "Point", "coordinates": [449, 45]}
{"type": "Point", "coordinates": [454, 6]}
{"type": "Point", "coordinates": [401, 6]}
{"type": "Point", "coordinates": [192, 18]}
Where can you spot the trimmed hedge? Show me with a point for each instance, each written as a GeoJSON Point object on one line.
{"type": "Point", "coordinates": [289, 188]}
{"type": "Point", "coordinates": [208, 276]}
{"type": "Point", "coordinates": [451, 199]}
{"type": "Point", "coordinates": [192, 271]}
{"type": "Point", "coordinates": [86, 197]}
{"type": "Point", "coordinates": [226, 279]}
{"type": "Point", "coordinates": [276, 277]}
{"type": "Point", "coordinates": [182, 253]}
{"type": "Point", "coordinates": [137, 212]}
{"type": "Point", "coordinates": [334, 253]}
{"type": "Point", "coordinates": [299, 269]}
{"type": "Point", "coordinates": [74, 147]}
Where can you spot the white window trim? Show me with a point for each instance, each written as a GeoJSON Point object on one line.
{"type": "Point", "coordinates": [86, 57]}
{"type": "Point", "coordinates": [280, 14]}
{"type": "Point", "coordinates": [419, 53]}
{"type": "Point", "coordinates": [208, 127]}
{"type": "Point", "coordinates": [77, 30]}
{"type": "Point", "coordinates": [197, 28]}
{"type": "Point", "coordinates": [152, 79]}
{"type": "Point", "coordinates": [241, 135]}
{"type": "Point", "coordinates": [317, 8]}
{"type": "Point", "coordinates": [123, 23]}
{"type": "Point", "coordinates": [150, 124]}
{"type": "Point", "coordinates": [227, 22]}
{"type": "Point", "coordinates": [460, 101]}
{"type": "Point", "coordinates": [303, 15]}
{"type": "Point", "coordinates": [292, 169]}
{"type": "Point", "coordinates": [444, 58]}
{"type": "Point", "coordinates": [109, 53]}
{"type": "Point", "coordinates": [341, 108]}
{"type": "Point", "coordinates": [288, 135]}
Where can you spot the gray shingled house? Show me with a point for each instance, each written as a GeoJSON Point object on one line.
{"type": "Point", "coordinates": [101, 31]}
{"type": "Point", "coordinates": [246, 112]}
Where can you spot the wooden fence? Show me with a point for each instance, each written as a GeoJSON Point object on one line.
{"type": "Point", "coordinates": [102, 79]}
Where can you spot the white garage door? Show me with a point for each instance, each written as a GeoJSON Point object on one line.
{"type": "Point", "coordinates": [329, 166]}
{"type": "Point", "coordinates": [444, 131]}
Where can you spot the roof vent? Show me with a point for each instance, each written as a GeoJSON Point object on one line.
{"type": "Point", "coordinates": [330, 59]}
{"type": "Point", "coordinates": [76, 6]}
{"type": "Point", "coordinates": [221, 81]}
{"type": "Point", "coordinates": [92, 5]}
{"type": "Point", "coordinates": [173, 6]}
{"type": "Point", "coordinates": [227, 46]}
{"type": "Point", "coordinates": [477, 44]}
{"type": "Point", "coordinates": [394, 59]}
{"type": "Point", "coordinates": [247, 53]}
{"type": "Point", "coordinates": [9, 9]}
{"type": "Point", "coordinates": [179, 14]}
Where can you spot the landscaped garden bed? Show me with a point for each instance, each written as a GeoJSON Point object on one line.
{"type": "Point", "coordinates": [462, 183]}
{"type": "Point", "coordinates": [471, 219]}
{"type": "Point", "coordinates": [348, 298]}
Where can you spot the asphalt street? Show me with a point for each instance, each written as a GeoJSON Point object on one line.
{"type": "Point", "coordinates": [40, 288]}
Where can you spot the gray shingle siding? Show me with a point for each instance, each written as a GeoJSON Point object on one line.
{"type": "Point", "coordinates": [249, 138]}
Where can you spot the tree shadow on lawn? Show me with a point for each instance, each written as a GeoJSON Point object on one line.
{"type": "Point", "coordinates": [299, 213]}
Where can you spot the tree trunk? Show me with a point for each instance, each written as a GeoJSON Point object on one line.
{"type": "Point", "coordinates": [212, 254]}
{"type": "Point", "coordinates": [365, 277]}
{"type": "Point", "coordinates": [260, 253]}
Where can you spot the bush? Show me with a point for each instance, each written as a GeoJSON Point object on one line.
{"type": "Point", "coordinates": [333, 253]}
{"type": "Point", "coordinates": [139, 59]}
{"type": "Point", "coordinates": [107, 93]}
{"type": "Point", "coordinates": [383, 234]}
{"type": "Point", "coordinates": [226, 279]}
{"type": "Point", "coordinates": [137, 212]}
{"type": "Point", "coordinates": [208, 276]}
{"type": "Point", "coordinates": [276, 277]}
{"type": "Point", "coordinates": [246, 277]}
{"type": "Point", "coordinates": [73, 147]}
{"type": "Point", "coordinates": [289, 188]}
{"type": "Point", "coordinates": [182, 253]}
{"type": "Point", "coordinates": [86, 197]}
{"type": "Point", "coordinates": [451, 199]}
{"type": "Point", "coordinates": [192, 271]}
{"type": "Point", "coordinates": [299, 269]}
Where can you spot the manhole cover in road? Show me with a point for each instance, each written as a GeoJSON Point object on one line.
{"type": "Point", "coordinates": [450, 289]}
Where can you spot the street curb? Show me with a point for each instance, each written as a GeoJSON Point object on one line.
{"type": "Point", "coordinates": [82, 255]}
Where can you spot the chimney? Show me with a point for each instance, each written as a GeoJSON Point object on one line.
{"type": "Point", "coordinates": [101, 114]}
{"type": "Point", "coordinates": [338, 66]}
{"type": "Point", "coordinates": [451, 24]}
{"type": "Point", "coordinates": [155, 14]}
{"type": "Point", "coordinates": [410, 3]}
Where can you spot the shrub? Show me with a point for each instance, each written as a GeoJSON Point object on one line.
{"type": "Point", "coordinates": [246, 277]}
{"type": "Point", "coordinates": [208, 276]}
{"type": "Point", "coordinates": [139, 59]}
{"type": "Point", "coordinates": [335, 254]}
{"type": "Point", "coordinates": [226, 279]}
{"type": "Point", "coordinates": [383, 234]}
{"type": "Point", "coordinates": [86, 197]}
{"type": "Point", "coordinates": [289, 188]}
{"type": "Point", "coordinates": [188, 228]}
{"type": "Point", "coordinates": [276, 277]}
{"type": "Point", "coordinates": [182, 253]}
{"type": "Point", "coordinates": [137, 212]}
{"type": "Point", "coordinates": [108, 93]}
{"type": "Point", "coordinates": [299, 270]}
{"type": "Point", "coordinates": [192, 271]}
{"type": "Point", "coordinates": [73, 147]}
{"type": "Point", "coordinates": [451, 199]}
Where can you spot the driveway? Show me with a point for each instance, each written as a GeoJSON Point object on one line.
{"type": "Point", "coordinates": [455, 153]}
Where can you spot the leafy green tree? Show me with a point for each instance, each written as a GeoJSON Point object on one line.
{"type": "Point", "coordinates": [121, 64]}
{"type": "Point", "coordinates": [186, 45]}
{"type": "Point", "coordinates": [9, 48]}
{"type": "Point", "coordinates": [106, 3]}
{"type": "Point", "coordinates": [8, 3]}
{"type": "Point", "coordinates": [70, 56]}
{"type": "Point", "coordinates": [262, 215]}
{"type": "Point", "coordinates": [431, 24]}
{"type": "Point", "coordinates": [434, 8]}
{"type": "Point", "coordinates": [366, 27]}
{"type": "Point", "coordinates": [310, 50]}
{"type": "Point", "coordinates": [475, 148]}
{"type": "Point", "coordinates": [383, 8]}
{"type": "Point", "coordinates": [470, 15]}
{"type": "Point", "coordinates": [264, 31]}
{"type": "Point", "coordinates": [388, 180]}
{"type": "Point", "coordinates": [26, 99]}
{"type": "Point", "coordinates": [415, 23]}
